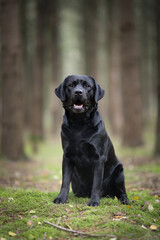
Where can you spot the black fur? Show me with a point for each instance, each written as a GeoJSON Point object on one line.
{"type": "Point", "coordinates": [89, 160]}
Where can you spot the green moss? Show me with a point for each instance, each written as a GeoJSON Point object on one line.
{"type": "Point", "coordinates": [17, 207]}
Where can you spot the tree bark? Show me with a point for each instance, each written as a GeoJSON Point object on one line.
{"type": "Point", "coordinates": [90, 9]}
{"type": "Point", "coordinates": [114, 78]}
{"type": "Point", "coordinates": [131, 86]}
{"type": "Point", "coordinates": [12, 83]}
{"type": "Point", "coordinates": [55, 60]}
{"type": "Point", "coordinates": [37, 90]}
{"type": "Point", "coordinates": [157, 146]}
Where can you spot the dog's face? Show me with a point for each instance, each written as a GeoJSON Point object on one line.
{"type": "Point", "coordinates": [79, 92]}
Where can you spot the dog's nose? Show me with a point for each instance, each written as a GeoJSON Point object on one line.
{"type": "Point", "coordinates": [78, 92]}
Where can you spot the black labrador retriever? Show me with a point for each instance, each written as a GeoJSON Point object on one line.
{"type": "Point", "coordinates": [89, 160]}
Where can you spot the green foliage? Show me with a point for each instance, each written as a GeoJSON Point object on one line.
{"type": "Point", "coordinates": [23, 213]}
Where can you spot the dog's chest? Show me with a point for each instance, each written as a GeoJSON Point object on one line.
{"type": "Point", "coordinates": [82, 154]}
{"type": "Point", "coordinates": [78, 147]}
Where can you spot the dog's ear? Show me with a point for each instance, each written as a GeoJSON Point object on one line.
{"type": "Point", "coordinates": [99, 92]}
{"type": "Point", "coordinates": [60, 92]}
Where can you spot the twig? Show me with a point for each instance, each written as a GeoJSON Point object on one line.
{"type": "Point", "coordinates": [59, 220]}
{"type": "Point", "coordinates": [45, 235]}
{"type": "Point", "coordinates": [78, 232]}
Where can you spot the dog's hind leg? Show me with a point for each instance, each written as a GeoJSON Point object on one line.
{"type": "Point", "coordinates": [115, 185]}
{"type": "Point", "coordinates": [119, 185]}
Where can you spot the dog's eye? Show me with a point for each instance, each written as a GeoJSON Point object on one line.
{"type": "Point", "coordinates": [71, 85]}
{"type": "Point", "coordinates": [86, 85]}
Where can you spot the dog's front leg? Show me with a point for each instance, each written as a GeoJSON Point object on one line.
{"type": "Point", "coordinates": [67, 170]}
{"type": "Point", "coordinates": [97, 184]}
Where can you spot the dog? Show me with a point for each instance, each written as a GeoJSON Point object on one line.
{"type": "Point", "coordinates": [89, 160]}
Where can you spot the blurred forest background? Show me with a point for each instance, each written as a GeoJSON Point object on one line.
{"type": "Point", "coordinates": [41, 42]}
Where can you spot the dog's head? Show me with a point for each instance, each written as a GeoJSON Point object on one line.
{"type": "Point", "coordinates": [79, 92]}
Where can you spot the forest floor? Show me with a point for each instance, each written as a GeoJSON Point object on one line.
{"type": "Point", "coordinates": [27, 189]}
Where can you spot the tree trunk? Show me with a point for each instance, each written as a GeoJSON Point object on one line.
{"type": "Point", "coordinates": [55, 60]}
{"type": "Point", "coordinates": [131, 88]}
{"type": "Point", "coordinates": [37, 90]}
{"type": "Point", "coordinates": [90, 9]}
{"type": "Point", "coordinates": [157, 146]}
{"type": "Point", "coordinates": [114, 79]}
{"type": "Point", "coordinates": [12, 83]}
{"type": "Point", "coordinates": [27, 76]}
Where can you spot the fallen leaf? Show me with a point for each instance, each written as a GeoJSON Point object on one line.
{"type": "Point", "coordinates": [3, 238]}
{"type": "Point", "coordinates": [71, 206]}
{"type": "Point", "coordinates": [129, 206]}
{"type": "Point", "coordinates": [150, 207]}
{"type": "Point", "coordinates": [156, 196]}
{"type": "Point", "coordinates": [34, 216]}
{"type": "Point", "coordinates": [10, 199]}
{"type": "Point", "coordinates": [135, 198]}
{"type": "Point", "coordinates": [30, 223]}
{"type": "Point", "coordinates": [12, 234]}
{"type": "Point", "coordinates": [39, 223]}
{"type": "Point", "coordinates": [118, 214]}
{"type": "Point", "coordinates": [118, 217]}
{"type": "Point", "coordinates": [32, 211]}
{"type": "Point", "coordinates": [153, 227]}
{"type": "Point", "coordinates": [143, 227]}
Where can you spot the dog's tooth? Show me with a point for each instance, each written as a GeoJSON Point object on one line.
{"type": "Point", "coordinates": [78, 106]}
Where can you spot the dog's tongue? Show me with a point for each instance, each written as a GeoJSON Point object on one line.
{"type": "Point", "coordinates": [78, 106]}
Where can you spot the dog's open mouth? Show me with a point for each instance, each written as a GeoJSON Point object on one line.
{"type": "Point", "coordinates": [78, 106]}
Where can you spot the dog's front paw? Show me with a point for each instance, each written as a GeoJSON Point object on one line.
{"type": "Point", "coordinates": [59, 200]}
{"type": "Point", "coordinates": [124, 200]}
{"type": "Point", "coordinates": [94, 203]}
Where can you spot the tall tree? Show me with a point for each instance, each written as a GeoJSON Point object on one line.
{"type": "Point", "coordinates": [90, 10]}
{"type": "Point", "coordinates": [131, 87]}
{"type": "Point", "coordinates": [157, 146]}
{"type": "Point", "coordinates": [12, 83]}
{"type": "Point", "coordinates": [37, 90]}
{"type": "Point", "coordinates": [114, 78]}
